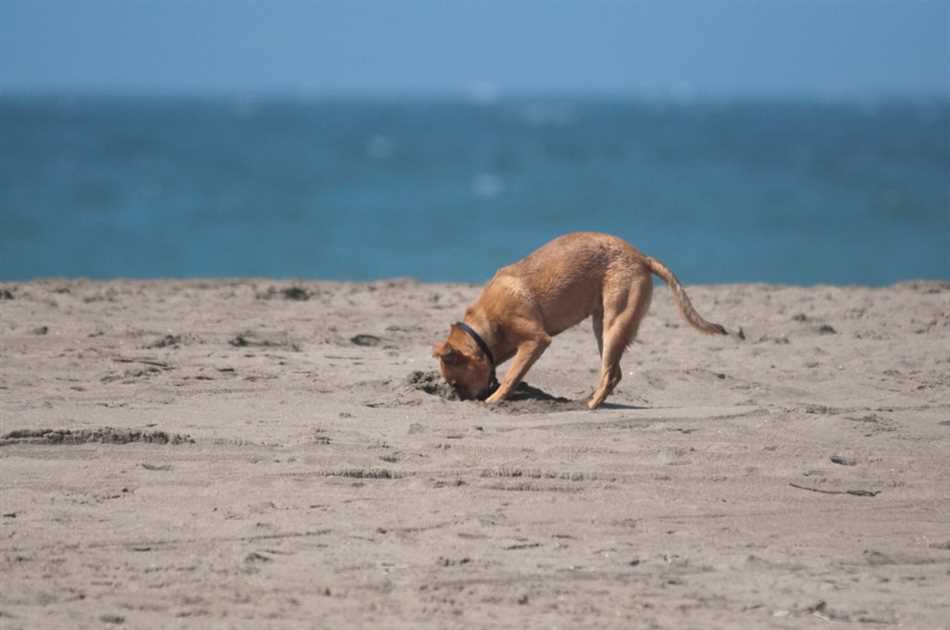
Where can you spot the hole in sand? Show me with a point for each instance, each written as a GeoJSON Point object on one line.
{"type": "Point", "coordinates": [525, 398]}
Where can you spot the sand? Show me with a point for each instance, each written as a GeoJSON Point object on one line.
{"type": "Point", "coordinates": [217, 454]}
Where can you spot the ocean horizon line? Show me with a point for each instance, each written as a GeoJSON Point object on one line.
{"type": "Point", "coordinates": [485, 96]}
{"type": "Point", "coordinates": [396, 281]}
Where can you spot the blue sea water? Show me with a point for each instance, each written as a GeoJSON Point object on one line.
{"type": "Point", "coordinates": [786, 191]}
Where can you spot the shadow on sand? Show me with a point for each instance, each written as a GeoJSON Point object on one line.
{"type": "Point", "coordinates": [525, 399]}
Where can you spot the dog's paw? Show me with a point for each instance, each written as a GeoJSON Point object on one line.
{"type": "Point", "coordinates": [594, 404]}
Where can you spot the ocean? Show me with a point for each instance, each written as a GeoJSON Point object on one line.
{"type": "Point", "coordinates": [789, 191]}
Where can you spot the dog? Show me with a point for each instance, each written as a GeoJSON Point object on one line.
{"type": "Point", "coordinates": [557, 286]}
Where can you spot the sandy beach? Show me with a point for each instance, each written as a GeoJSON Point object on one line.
{"type": "Point", "coordinates": [252, 453]}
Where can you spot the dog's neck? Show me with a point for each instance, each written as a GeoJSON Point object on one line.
{"type": "Point", "coordinates": [482, 329]}
{"type": "Point", "coordinates": [489, 334]}
{"type": "Point", "coordinates": [479, 342]}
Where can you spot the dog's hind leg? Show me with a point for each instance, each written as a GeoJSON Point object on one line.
{"type": "Point", "coordinates": [624, 309]}
{"type": "Point", "coordinates": [597, 319]}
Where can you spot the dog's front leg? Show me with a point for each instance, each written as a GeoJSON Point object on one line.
{"type": "Point", "coordinates": [528, 352]}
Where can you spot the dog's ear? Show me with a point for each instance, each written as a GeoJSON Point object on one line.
{"type": "Point", "coordinates": [448, 354]}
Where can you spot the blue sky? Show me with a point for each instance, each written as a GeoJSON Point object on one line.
{"type": "Point", "coordinates": [663, 47]}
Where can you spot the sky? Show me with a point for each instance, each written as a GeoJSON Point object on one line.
{"type": "Point", "coordinates": [484, 47]}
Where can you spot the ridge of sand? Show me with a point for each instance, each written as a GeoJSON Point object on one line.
{"type": "Point", "coordinates": [252, 453]}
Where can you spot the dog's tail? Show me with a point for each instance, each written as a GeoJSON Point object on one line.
{"type": "Point", "coordinates": [682, 300]}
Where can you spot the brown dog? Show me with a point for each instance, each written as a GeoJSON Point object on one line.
{"type": "Point", "coordinates": [554, 288]}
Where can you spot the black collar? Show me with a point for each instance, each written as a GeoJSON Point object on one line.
{"type": "Point", "coordinates": [493, 383]}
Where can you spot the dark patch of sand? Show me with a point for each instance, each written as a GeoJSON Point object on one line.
{"type": "Point", "coordinates": [105, 435]}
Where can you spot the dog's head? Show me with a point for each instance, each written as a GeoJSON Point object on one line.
{"type": "Point", "coordinates": [463, 365]}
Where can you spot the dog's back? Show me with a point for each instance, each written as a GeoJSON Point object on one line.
{"type": "Point", "coordinates": [564, 279]}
